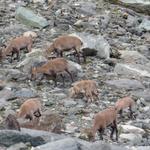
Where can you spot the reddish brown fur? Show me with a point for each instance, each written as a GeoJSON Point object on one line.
{"type": "Point", "coordinates": [124, 103]}
{"type": "Point", "coordinates": [16, 45]}
{"type": "Point", "coordinates": [103, 119]}
{"type": "Point", "coordinates": [88, 87]}
{"type": "Point", "coordinates": [30, 109]}
{"type": "Point", "coordinates": [12, 123]}
{"type": "Point", "coordinates": [52, 68]}
{"type": "Point", "coordinates": [66, 43]}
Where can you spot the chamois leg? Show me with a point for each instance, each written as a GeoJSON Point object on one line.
{"type": "Point", "coordinates": [12, 54]}
{"type": "Point", "coordinates": [55, 79]}
{"type": "Point", "coordinates": [37, 113]}
{"type": "Point", "coordinates": [131, 112]}
{"type": "Point", "coordinates": [69, 74]}
{"type": "Point", "coordinates": [112, 131]}
{"type": "Point", "coordinates": [120, 112]}
{"type": "Point", "coordinates": [78, 55]}
{"type": "Point", "coordinates": [63, 79]}
{"type": "Point", "coordinates": [29, 47]}
{"type": "Point", "coordinates": [18, 56]}
{"type": "Point", "coordinates": [28, 116]}
{"type": "Point", "coordinates": [116, 129]}
{"type": "Point", "coordinates": [101, 132]}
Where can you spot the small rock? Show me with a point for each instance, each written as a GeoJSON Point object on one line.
{"type": "Point", "coordinates": [131, 129]}
{"type": "Point", "coordinates": [25, 93]}
{"type": "Point", "coordinates": [30, 33]}
{"type": "Point", "coordinates": [69, 103]}
{"type": "Point", "coordinates": [145, 25]}
{"type": "Point", "coordinates": [134, 138]}
{"type": "Point", "coordinates": [17, 146]}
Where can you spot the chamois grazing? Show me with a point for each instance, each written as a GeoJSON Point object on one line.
{"type": "Point", "coordinates": [124, 103]}
{"type": "Point", "coordinates": [66, 43]}
{"type": "Point", "coordinates": [87, 87]}
{"type": "Point", "coordinates": [30, 109]}
{"type": "Point", "coordinates": [107, 117]}
{"type": "Point", "coordinates": [16, 45]}
{"type": "Point", "coordinates": [11, 123]}
{"type": "Point", "coordinates": [53, 68]}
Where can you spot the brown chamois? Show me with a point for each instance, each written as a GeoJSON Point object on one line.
{"type": "Point", "coordinates": [124, 103]}
{"type": "Point", "coordinates": [52, 68]}
{"type": "Point", "coordinates": [107, 117]}
{"type": "Point", "coordinates": [16, 45]}
{"type": "Point", "coordinates": [11, 123]}
{"type": "Point", "coordinates": [87, 87]}
{"type": "Point", "coordinates": [30, 109]}
{"type": "Point", "coordinates": [66, 43]}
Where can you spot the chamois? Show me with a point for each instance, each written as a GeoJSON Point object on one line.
{"type": "Point", "coordinates": [11, 123]}
{"type": "Point", "coordinates": [124, 103]}
{"type": "Point", "coordinates": [29, 109]}
{"type": "Point", "coordinates": [87, 87]}
{"type": "Point", "coordinates": [66, 43]}
{"type": "Point", "coordinates": [103, 119]}
{"type": "Point", "coordinates": [16, 45]}
{"type": "Point", "coordinates": [52, 68]}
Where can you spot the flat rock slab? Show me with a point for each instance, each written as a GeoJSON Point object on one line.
{"type": "Point", "coordinates": [126, 84]}
{"type": "Point", "coordinates": [28, 17]}
{"type": "Point", "coordinates": [65, 144]}
{"type": "Point", "coordinates": [10, 137]}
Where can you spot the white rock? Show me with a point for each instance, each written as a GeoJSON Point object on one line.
{"type": "Point", "coordinates": [130, 137]}
{"type": "Point", "coordinates": [131, 129]}
{"type": "Point", "coordinates": [30, 33]}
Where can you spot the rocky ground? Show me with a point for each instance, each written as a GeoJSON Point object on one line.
{"type": "Point", "coordinates": [121, 68]}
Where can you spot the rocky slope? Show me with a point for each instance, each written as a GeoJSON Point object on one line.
{"type": "Point", "coordinates": [121, 37]}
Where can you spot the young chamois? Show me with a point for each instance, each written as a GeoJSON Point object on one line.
{"type": "Point", "coordinates": [11, 123]}
{"type": "Point", "coordinates": [124, 103]}
{"type": "Point", "coordinates": [107, 117]}
{"type": "Point", "coordinates": [87, 87]}
{"type": "Point", "coordinates": [53, 68]}
{"type": "Point", "coordinates": [66, 43]}
{"type": "Point", "coordinates": [16, 45]}
{"type": "Point", "coordinates": [30, 109]}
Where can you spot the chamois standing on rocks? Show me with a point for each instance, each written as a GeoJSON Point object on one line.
{"type": "Point", "coordinates": [125, 103]}
{"type": "Point", "coordinates": [53, 68]}
{"type": "Point", "coordinates": [66, 43]}
{"type": "Point", "coordinates": [87, 87]}
{"type": "Point", "coordinates": [107, 117]}
{"type": "Point", "coordinates": [16, 45]}
{"type": "Point", "coordinates": [30, 109]}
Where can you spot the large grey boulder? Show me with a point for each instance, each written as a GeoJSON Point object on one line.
{"type": "Point", "coordinates": [95, 42]}
{"type": "Point", "coordinates": [132, 69]}
{"type": "Point", "coordinates": [145, 25]}
{"type": "Point", "coordinates": [137, 5]}
{"type": "Point", "coordinates": [125, 84]}
{"type": "Point", "coordinates": [10, 137]}
{"type": "Point", "coordinates": [64, 144]}
{"type": "Point", "coordinates": [28, 17]}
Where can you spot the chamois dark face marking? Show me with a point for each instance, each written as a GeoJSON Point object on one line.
{"type": "Point", "coordinates": [12, 123]}
{"type": "Point", "coordinates": [33, 68]}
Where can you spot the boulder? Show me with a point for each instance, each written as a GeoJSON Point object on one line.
{"type": "Point", "coordinates": [126, 84]}
{"type": "Point", "coordinates": [145, 25]}
{"type": "Point", "coordinates": [10, 137]}
{"type": "Point", "coordinates": [28, 17]}
{"type": "Point", "coordinates": [131, 129]}
{"type": "Point", "coordinates": [95, 42]}
{"type": "Point", "coordinates": [64, 144]}
{"type": "Point", "coordinates": [137, 5]}
{"type": "Point", "coordinates": [132, 69]}
{"type": "Point", "coordinates": [36, 56]}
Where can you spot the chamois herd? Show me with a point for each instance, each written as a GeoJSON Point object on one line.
{"type": "Point", "coordinates": [31, 108]}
